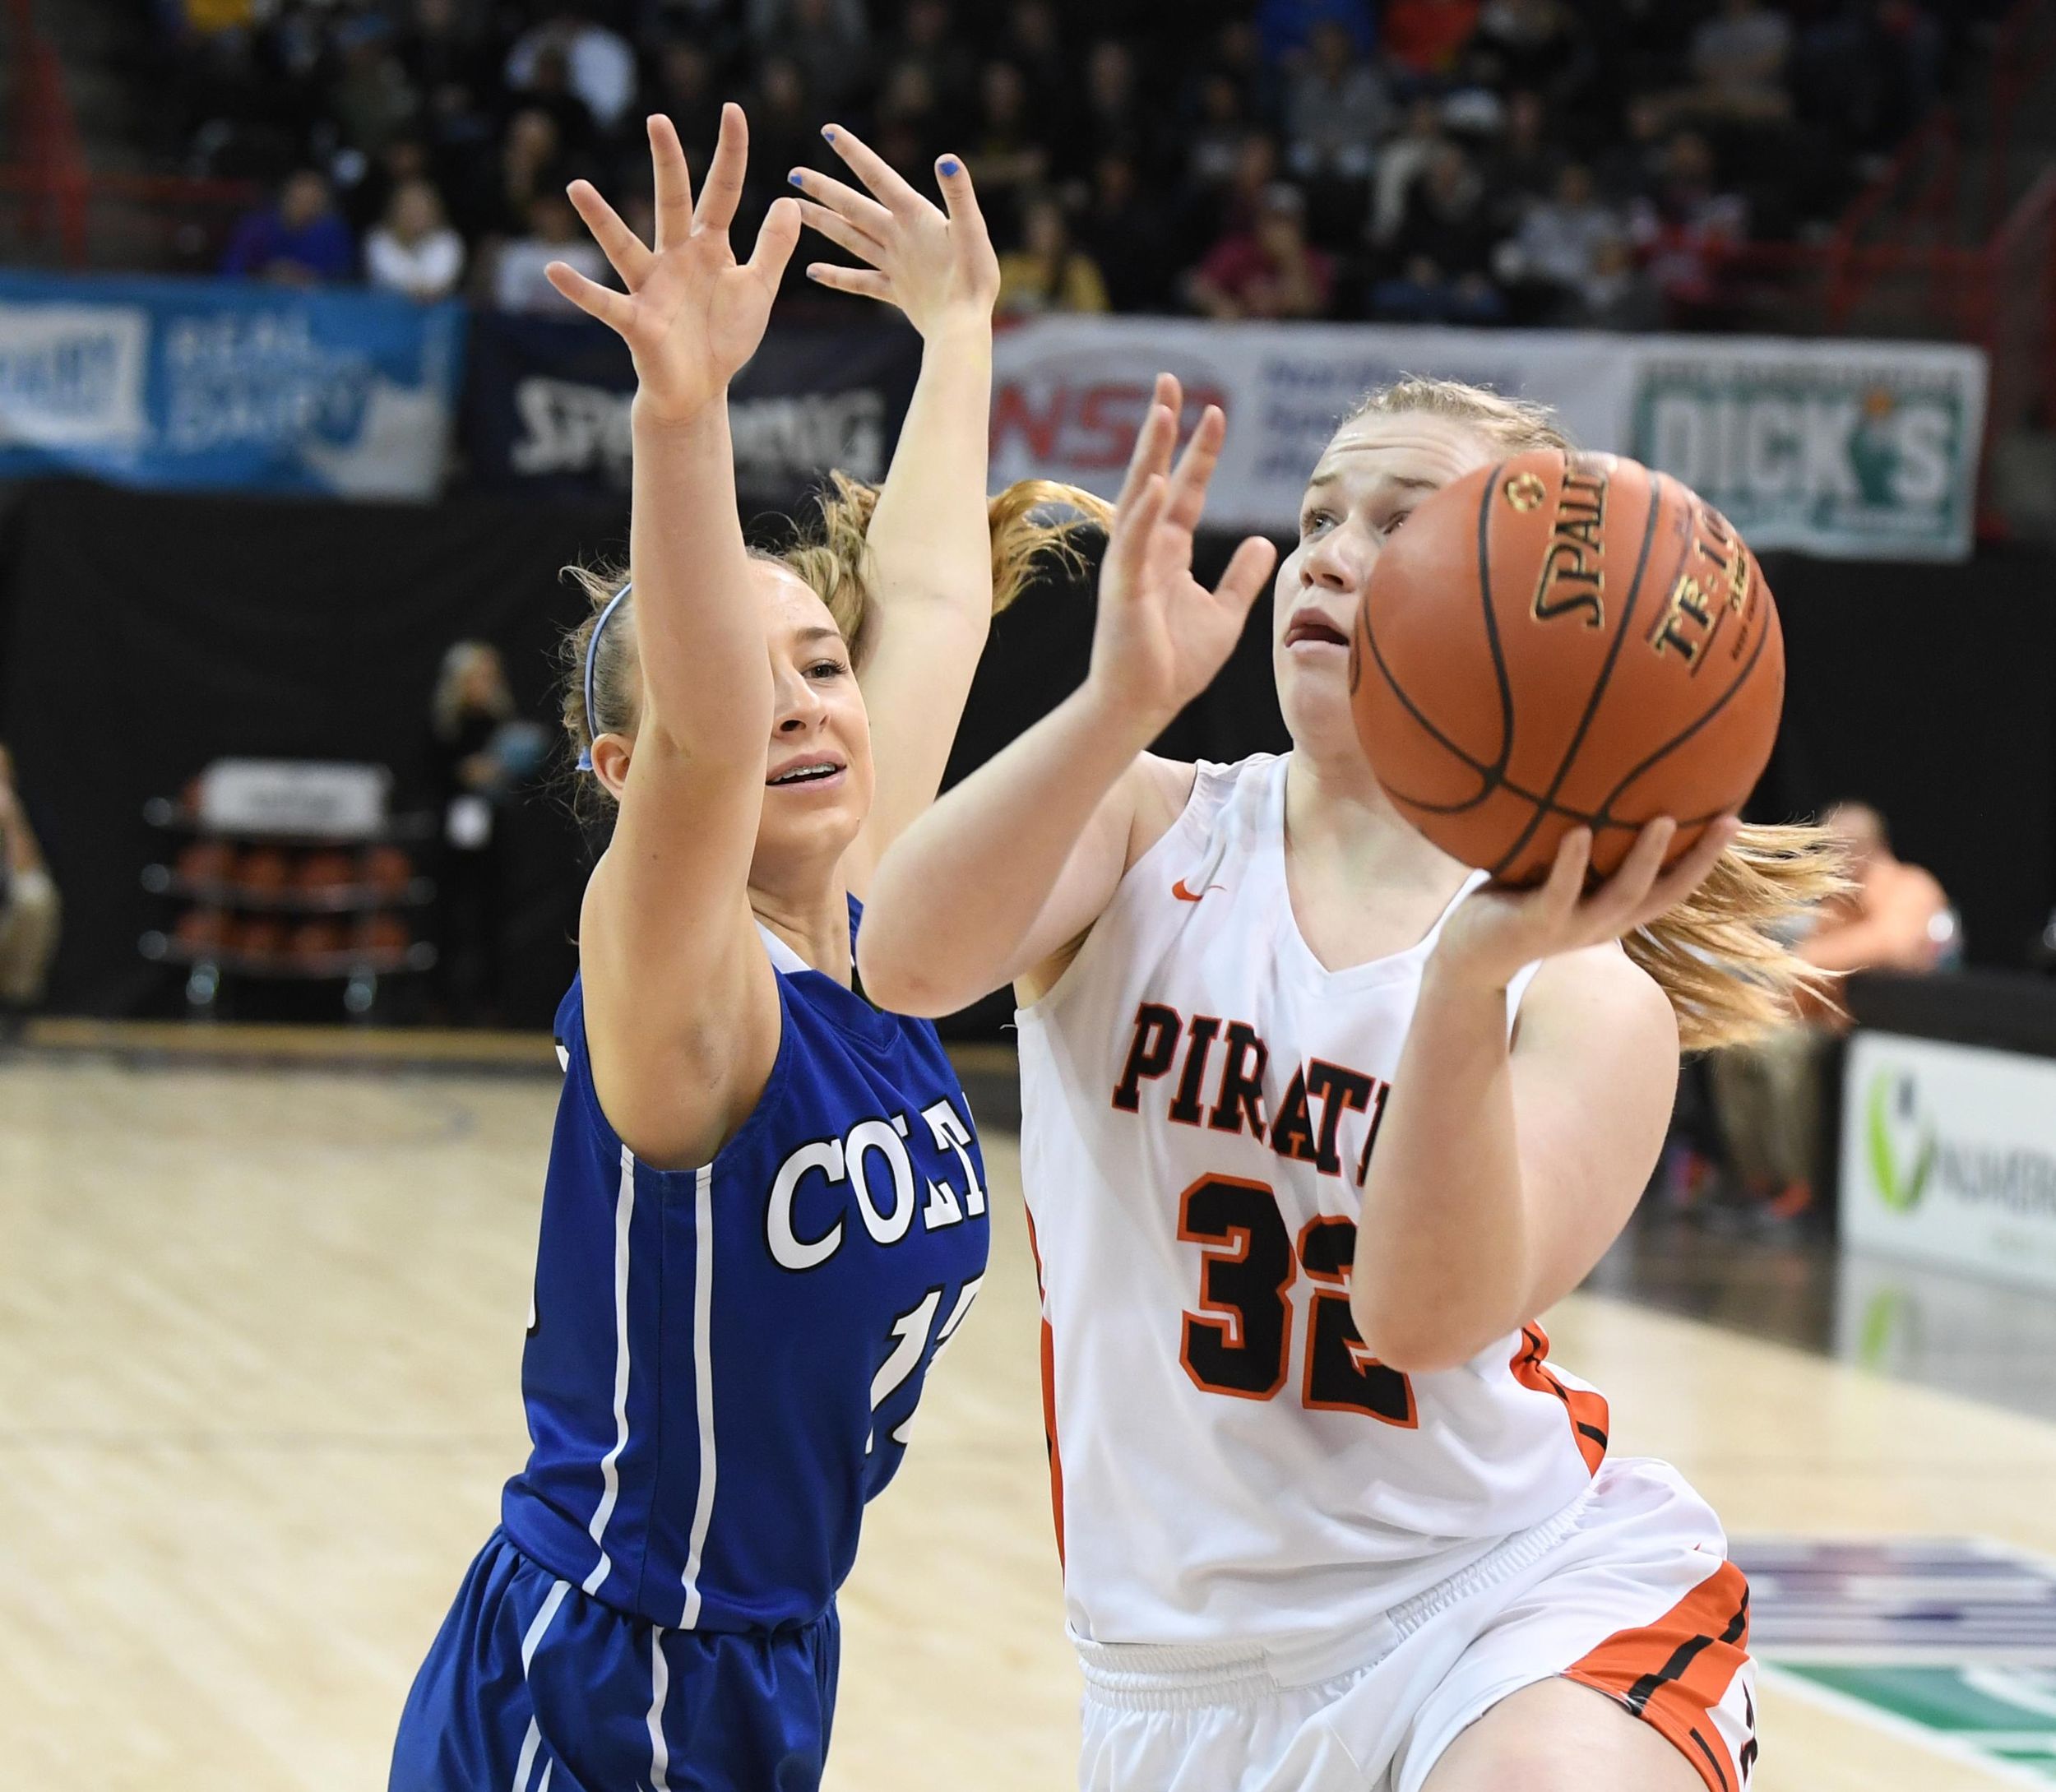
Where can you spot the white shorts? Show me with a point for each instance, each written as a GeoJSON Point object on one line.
{"type": "Point", "coordinates": [1628, 1591]}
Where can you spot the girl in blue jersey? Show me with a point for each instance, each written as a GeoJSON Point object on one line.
{"type": "Point", "coordinates": [764, 1211]}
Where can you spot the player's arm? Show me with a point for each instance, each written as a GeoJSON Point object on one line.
{"type": "Point", "coordinates": [1016, 861]}
{"type": "Point", "coordinates": [928, 546]}
{"type": "Point", "coordinates": [1502, 1170]}
{"type": "Point", "coordinates": [682, 1013]}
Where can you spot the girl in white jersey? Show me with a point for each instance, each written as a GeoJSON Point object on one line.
{"type": "Point", "coordinates": [1330, 1517]}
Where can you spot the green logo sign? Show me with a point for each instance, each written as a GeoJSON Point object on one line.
{"type": "Point", "coordinates": [1901, 1180]}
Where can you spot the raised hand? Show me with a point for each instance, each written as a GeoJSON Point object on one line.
{"type": "Point", "coordinates": [692, 316]}
{"type": "Point", "coordinates": [1161, 636]}
{"type": "Point", "coordinates": [1498, 931]}
{"type": "Point", "coordinates": [934, 266]}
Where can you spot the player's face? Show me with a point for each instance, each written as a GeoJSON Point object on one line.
{"type": "Point", "coordinates": [1370, 478]}
{"type": "Point", "coordinates": [818, 771]}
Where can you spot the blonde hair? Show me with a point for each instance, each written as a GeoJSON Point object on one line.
{"type": "Point", "coordinates": [831, 557]}
{"type": "Point", "coordinates": [1724, 957]}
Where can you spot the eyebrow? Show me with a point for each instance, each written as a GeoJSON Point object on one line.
{"type": "Point", "coordinates": [807, 637]}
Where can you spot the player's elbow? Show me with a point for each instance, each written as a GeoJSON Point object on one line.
{"type": "Point", "coordinates": [897, 979]}
{"type": "Point", "coordinates": [1420, 1337]}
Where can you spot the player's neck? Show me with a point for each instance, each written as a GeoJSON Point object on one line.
{"type": "Point", "coordinates": [1337, 818]}
{"type": "Point", "coordinates": [814, 919]}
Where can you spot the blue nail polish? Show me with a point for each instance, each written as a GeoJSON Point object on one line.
{"type": "Point", "coordinates": [796, 179]}
{"type": "Point", "coordinates": [951, 165]}
{"type": "Point", "coordinates": [828, 131]}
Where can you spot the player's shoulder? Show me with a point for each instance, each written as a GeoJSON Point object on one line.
{"type": "Point", "coordinates": [1165, 793]}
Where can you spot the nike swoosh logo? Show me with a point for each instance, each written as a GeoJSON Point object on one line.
{"type": "Point", "coordinates": [1183, 895]}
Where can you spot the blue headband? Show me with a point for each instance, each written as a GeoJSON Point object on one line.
{"type": "Point", "coordinates": [592, 656]}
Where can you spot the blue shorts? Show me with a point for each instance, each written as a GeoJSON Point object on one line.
{"type": "Point", "coordinates": [533, 1684]}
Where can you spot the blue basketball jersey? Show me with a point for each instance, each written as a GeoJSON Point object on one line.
{"type": "Point", "coordinates": [722, 1362]}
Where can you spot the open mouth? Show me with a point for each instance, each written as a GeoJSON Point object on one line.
{"type": "Point", "coordinates": [807, 771]}
{"type": "Point", "coordinates": [1309, 627]}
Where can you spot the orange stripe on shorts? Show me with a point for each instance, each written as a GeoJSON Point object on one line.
{"type": "Point", "coordinates": [1672, 1673]}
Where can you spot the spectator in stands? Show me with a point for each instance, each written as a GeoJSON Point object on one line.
{"type": "Point", "coordinates": [1114, 115]}
{"type": "Point", "coordinates": [1401, 164]}
{"type": "Point", "coordinates": [1009, 154]}
{"type": "Point", "coordinates": [829, 40]}
{"type": "Point", "coordinates": [1336, 108]}
{"type": "Point", "coordinates": [601, 65]}
{"type": "Point", "coordinates": [554, 234]}
{"type": "Point", "coordinates": [929, 38]}
{"type": "Point", "coordinates": [531, 164]}
{"type": "Point", "coordinates": [413, 250]}
{"type": "Point", "coordinates": [784, 126]}
{"type": "Point", "coordinates": [299, 240]}
{"type": "Point", "coordinates": [1286, 27]}
{"type": "Point", "coordinates": [1423, 39]}
{"type": "Point", "coordinates": [685, 91]}
{"type": "Point", "coordinates": [1269, 271]}
{"type": "Point", "coordinates": [1127, 238]}
{"type": "Point", "coordinates": [370, 98]}
{"type": "Point", "coordinates": [1616, 294]}
{"type": "Point", "coordinates": [1035, 43]}
{"type": "Point", "coordinates": [1525, 165]}
{"type": "Point", "coordinates": [1554, 253]}
{"type": "Point", "coordinates": [1894, 917]}
{"type": "Point", "coordinates": [29, 911]}
{"type": "Point", "coordinates": [476, 754]}
{"type": "Point", "coordinates": [1442, 253]}
{"type": "Point", "coordinates": [1214, 144]}
{"type": "Point", "coordinates": [1049, 272]}
{"type": "Point", "coordinates": [1684, 228]}
{"type": "Point", "coordinates": [1537, 44]}
{"type": "Point", "coordinates": [549, 90]}
{"type": "Point", "coordinates": [1739, 60]}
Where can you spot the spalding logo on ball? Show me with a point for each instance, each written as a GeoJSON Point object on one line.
{"type": "Point", "coordinates": [1558, 641]}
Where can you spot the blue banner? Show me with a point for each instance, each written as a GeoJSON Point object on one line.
{"type": "Point", "coordinates": [226, 385]}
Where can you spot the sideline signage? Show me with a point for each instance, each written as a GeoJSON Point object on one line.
{"type": "Point", "coordinates": [225, 385]}
{"type": "Point", "coordinates": [1949, 1156]}
{"type": "Point", "coordinates": [1852, 450]}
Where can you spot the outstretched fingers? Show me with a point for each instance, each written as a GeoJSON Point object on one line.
{"type": "Point", "coordinates": [615, 310]}
{"type": "Point", "coordinates": [960, 198]}
{"type": "Point", "coordinates": [626, 252]}
{"type": "Point", "coordinates": [1248, 572]}
{"type": "Point", "coordinates": [1195, 470]}
{"type": "Point", "coordinates": [1127, 548]}
{"type": "Point", "coordinates": [840, 231]}
{"type": "Point", "coordinates": [884, 180]}
{"type": "Point", "coordinates": [860, 211]}
{"type": "Point", "coordinates": [673, 182]}
{"type": "Point", "coordinates": [1611, 909]}
{"type": "Point", "coordinates": [723, 192]}
{"type": "Point", "coordinates": [1154, 440]}
{"type": "Point", "coordinates": [776, 238]}
{"type": "Point", "coordinates": [865, 282]}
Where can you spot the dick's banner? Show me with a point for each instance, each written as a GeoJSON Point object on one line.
{"type": "Point", "coordinates": [226, 384]}
{"type": "Point", "coordinates": [1850, 449]}
{"type": "Point", "coordinates": [1948, 1156]}
{"type": "Point", "coordinates": [547, 406]}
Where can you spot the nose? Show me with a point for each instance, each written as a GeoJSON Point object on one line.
{"type": "Point", "coordinates": [1339, 561]}
{"type": "Point", "coordinates": [796, 706]}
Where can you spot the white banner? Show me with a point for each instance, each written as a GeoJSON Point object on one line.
{"type": "Point", "coordinates": [1949, 1156]}
{"type": "Point", "coordinates": [1866, 450]}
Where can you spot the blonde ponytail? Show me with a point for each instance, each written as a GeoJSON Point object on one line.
{"type": "Point", "coordinates": [831, 557]}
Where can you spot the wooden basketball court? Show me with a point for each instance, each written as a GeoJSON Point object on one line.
{"type": "Point", "coordinates": [260, 1334]}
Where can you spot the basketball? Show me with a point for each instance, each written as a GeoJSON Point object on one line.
{"type": "Point", "coordinates": [1555, 642]}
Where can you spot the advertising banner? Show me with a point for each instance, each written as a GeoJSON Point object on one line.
{"type": "Point", "coordinates": [226, 385]}
{"type": "Point", "coordinates": [547, 405]}
{"type": "Point", "coordinates": [1858, 450]}
{"type": "Point", "coordinates": [1949, 1156]}
{"type": "Point", "coordinates": [1865, 451]}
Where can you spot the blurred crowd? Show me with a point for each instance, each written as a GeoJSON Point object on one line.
{"type": "Point", "coordinates": [1479, 161]}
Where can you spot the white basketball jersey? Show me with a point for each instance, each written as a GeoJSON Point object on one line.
{"type": "Point", "coordinates": [1200, 1101]}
